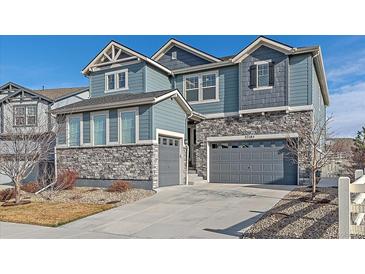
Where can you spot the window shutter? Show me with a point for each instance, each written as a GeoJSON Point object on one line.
{"type": "Point", "coordinates": [113, 125]}
{"type": "Point", "coordinates": [86, 127]}
{"type": "Point", "coordinates": [253, 76]}
{"type": "Point", "coordinates": [271, 74]}
{"type": "Point", "coordinates": [61, 136]}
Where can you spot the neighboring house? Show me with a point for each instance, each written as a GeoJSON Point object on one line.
{"type": "Point", "coordinates": [231, 115]}
{"type": "Point", "coordinates": [339, 166]}
{"type": "Point", "coordinates": [22, 107]}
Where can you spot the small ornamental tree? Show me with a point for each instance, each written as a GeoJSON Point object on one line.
{"type": "Point", "coordinates": [311, 144]}
{"type": "Point", "coordinates": [22, 148]}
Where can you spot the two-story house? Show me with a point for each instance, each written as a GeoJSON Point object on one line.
{"type": "Point", "coordinates": [24, 108]}
{"type": "Point", "coordinates": [149, 120]}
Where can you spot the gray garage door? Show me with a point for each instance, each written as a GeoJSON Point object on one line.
{"type": "Point", "coordinates": [169, 164]}
{"type": "Point", "coordinates": [252, 162]}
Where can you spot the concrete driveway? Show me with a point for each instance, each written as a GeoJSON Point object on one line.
{"type": "Point", "coordinates": [204, 211]}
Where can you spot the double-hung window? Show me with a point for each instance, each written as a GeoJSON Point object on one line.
{"type": "Point", "coordinates": [192, 88]}
{"type": "Point", "coordinates": [128, 127]}
{"type": "Point", "coordinates": [209, 86]}
{"type": "Point", "coordinates": [262, 75]}
{"type": "Point", "coordinates": [25, 115]}
{"type": "Point", "coordinates": [116, 80]}
{"type": "Point", "coordinates": [201, 87]}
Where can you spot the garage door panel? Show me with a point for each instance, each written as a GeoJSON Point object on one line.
{"type": "Point", "coordinates": [235, 155]}
{"type": "Point", "coordinates": [255, 162]}
{"type": "Point", "coordinates": [256, 167]}
{"type": "Point", "coordinates": [169, 161]}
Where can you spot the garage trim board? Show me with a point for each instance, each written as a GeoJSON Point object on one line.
{"type": "Point", "coordinates": [281, 167]}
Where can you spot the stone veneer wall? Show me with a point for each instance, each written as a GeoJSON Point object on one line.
{"type": "Point", "coordinates": [269, 123]}
{"type": "Point", "coordinates": [128, 162]}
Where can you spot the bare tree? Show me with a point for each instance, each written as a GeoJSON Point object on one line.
{"type": "Point", "coordinates": [311, 145]}
{"type": "Point", "coordinates": [23, 148]}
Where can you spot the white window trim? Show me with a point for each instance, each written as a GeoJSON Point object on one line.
{"type": "Point", "coordinates": [200, 87]}
{"type": "Point", "coordinates": [68, 129]}
{"type": "Point", "coordinates": [174, 55]}
{"type": "Point", "coordinates": [92, 139]}
{"type": "Point", "coordinates": [257, 63]}
{"type": "Point", "coordinates": [120, 136]}
{"type": "Point", "coordinates": [116, 81]}
{"type": "Point", "coordinates": [27, 115]}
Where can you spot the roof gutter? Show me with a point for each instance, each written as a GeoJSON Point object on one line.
{"type": "Point", "coordinates": [103, 106]}
{"type": "Point", "coordinates": [318, 62]}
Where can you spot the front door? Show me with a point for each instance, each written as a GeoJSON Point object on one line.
{"type": "Point", "coordinates": [191, 144]}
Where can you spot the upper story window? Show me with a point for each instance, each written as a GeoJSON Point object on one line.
{"type": "Point", "coordinates": [25, 115]}
{"type": "Point", "coordinates": [201, 88]}
{"type": "Point", "coordinates": [174, 55]}
{"type": "Point", "coordinates": [262, 75]}
{"type": "Point", "coordinates": [116, 80]}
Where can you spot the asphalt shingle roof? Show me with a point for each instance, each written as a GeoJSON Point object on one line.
{"type": "Point", "coordinates": [56, 93]}
{"type": "Point", "coordinates": [113, 99]}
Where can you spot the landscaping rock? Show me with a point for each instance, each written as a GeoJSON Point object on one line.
{"type": "Point", "coordinates": [87, 195]}
{"type": "Point", "coordinates": [297, 216]}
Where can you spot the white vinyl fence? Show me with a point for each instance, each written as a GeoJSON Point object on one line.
{"type": "Point", "coordinates": [350, 205]}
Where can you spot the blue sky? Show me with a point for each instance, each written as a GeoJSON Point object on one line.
{"type": "Point", "coordinates": [56, 61]}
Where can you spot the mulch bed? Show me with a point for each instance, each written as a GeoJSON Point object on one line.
{"type": "Point", "coordinates": [298, 216]}
{"type": "Point", "coordinates": [92, 195]}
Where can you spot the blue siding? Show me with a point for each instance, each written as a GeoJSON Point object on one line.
{"type": "Point", "coordinates": [168, 115]}
{"type": "Point", "coordinates": [184, 59]}
{"type": "Point", "coordinates": [156, 79]}
{"type": "Point", "coordinates": [228, 92]}
{"type": "Point", "coordinates": [300, 79]}
{"type": "Point", "coordinates": [136, 79]}
{"type": "Point", "coordinates": [275, 97]}
{"type": "Point", "coordinates": [113, 125]}
{"type": "Point", "coordinates": [145, 122]}
{"type": "Point", "coordinates": [86, 127]}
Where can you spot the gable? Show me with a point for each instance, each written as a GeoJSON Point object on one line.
{"type": "Point", "coordinates": [184, 59]}
{"type": "Point", "coordinates": [9, 88]}
{"type": "Point", "coordinates": [114, 55]}
{"type": "Point", "coordinates": [264, 53]}
{"type": "Point", "coordinates": [259, 42]}
{"type": "Point", "coordinates": [24, 96]}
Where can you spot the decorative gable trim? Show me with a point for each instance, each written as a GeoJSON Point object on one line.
{"type": "Point", "coordinates": [173, 42]}
{"type": "Point", "coordinates": [114, 53]}
{"type": "Point", "coordinates": [10, 86]}
{"type": "Point", "coordinates": [22, 92]}
{"type": "Point", "coordinates": [262, 41]}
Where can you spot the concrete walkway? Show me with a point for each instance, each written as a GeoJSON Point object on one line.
{"type": "Point", "coordinates": [204, 211]}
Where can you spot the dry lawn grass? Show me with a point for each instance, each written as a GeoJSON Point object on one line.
{"type": "Point", "coordinates": [49, 214]}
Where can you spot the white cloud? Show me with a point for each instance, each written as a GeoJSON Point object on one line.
{"type": "Point", "coordinates": [353, 67]}
{"type": "Point", "coordinates": [347, 104]}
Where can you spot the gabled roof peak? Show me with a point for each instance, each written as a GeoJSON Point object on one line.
{"type": "Point", "coordinates": [114, 53]}
{"type": "Point", "coordinates": [174, 42]}
{"type": "Point", "coordinates": [262, 41]}
{"type": "Point", "coordinates": [11, 86]}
